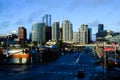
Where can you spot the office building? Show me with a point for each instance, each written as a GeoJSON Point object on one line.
{"type": "Point", "coordinates": [100, 27]}
{"type": "Point", "coordinates": [46, 19]}
{"type": "Point", "coordinates": [38, 32]}
{"type": "Point", "coordinates": [83, 34]}
{"type": "Point", "coordinates": [55, 31]}
{"type": "Point", "coordinates": [48, 33]}
{"type": "Point", "coordinates": [22, 33]}
{"type": "Point", "coordinates": [100, 35]}
{"type": "Point", "coordinates": [60, 33]}
{"type": "Point", "coordinates": [89, 35]}
{"type": "Point", "coordinates": [76, 37]}
{"type": "Point", "coordinates": [30, 36]}
{"type": "Point", "coordinates": [67, 31]}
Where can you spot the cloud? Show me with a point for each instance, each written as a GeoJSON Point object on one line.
{"type": "Point", "coordinates": [20, 22]}
{"type": "Point", "coordinates": [34, 15]}
{"type": "Point", "coordinates": [118, 23]}
{"type": "Point", "coordinates": [94, 23]}
{"type": "Point", "coordinates": [5, 24]}
{"type": "Point", "coordinates": [74, 4]}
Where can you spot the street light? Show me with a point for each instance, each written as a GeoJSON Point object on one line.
{"type": "Point", "coordinates": [114, 45]}
{"type": "Point", "coordinates": [104, 60]}
{"type": "Point", "coordinates": [115, 55]}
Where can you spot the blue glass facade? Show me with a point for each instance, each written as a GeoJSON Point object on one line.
{"type": "Point", "coordinates": [38, 32]}
{"type": "Point", "coordinates": [46, 19]}
{"type": "Point", "coordinates": [55, 31]}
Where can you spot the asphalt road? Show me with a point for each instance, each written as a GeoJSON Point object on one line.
{"type": "Point", "coordinates": [65, 68]}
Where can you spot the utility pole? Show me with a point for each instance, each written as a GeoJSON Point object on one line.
{"type": "Point", "coordinates": [104, 60]}
{"type": "Point", "coordinates": [115, 55]}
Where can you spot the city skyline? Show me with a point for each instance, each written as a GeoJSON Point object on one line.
{"type": "Point", "coordinates": [91, 12]}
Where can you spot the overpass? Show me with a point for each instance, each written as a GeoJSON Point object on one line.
{"type": "Point", "coordinates": [94, 45]}
{"type": "Point", "coordinates": [99, 48]}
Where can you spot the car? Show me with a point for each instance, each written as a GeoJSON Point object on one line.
{"type": "Point", "coordinates": [80, 74]}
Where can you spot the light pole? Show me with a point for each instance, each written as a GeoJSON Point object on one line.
{"type": "Point", "coordinates": [114, 44]}
{"type": "Point", "coordinates": [104, 60]}
{"type": "Point", "coordinates": [115, 55]}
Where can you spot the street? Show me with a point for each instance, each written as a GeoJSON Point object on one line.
{"type": "Point", "coordinates": [64, 68]}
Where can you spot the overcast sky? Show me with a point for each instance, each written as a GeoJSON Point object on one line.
{"type": "Point", "coordinates": [14, 13]}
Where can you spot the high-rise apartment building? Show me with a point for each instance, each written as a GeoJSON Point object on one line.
{"type": "Point", "coordinates": [67, 31]}
{"type": "Point", "coordinates": [76, 37]}
{"type": "Point", "coordinates": [22, 33]}
{"type": "Point", "coordinates": [38, 32]}
{"type": "Point", "coordinates": [55, 31]}
{"type": "Point", "coordinates": [83, 34]}
{"type": "Point", "coordinates": [46, 19]}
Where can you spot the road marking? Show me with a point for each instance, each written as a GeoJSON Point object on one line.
{"type": "Point", "coordinates": [37, 72]}
{"type": "Point", "coordinates": [53, 72]}
{"type": "Point", "coordinates": [59, 72]}
{"type": "Point", "coordinates": [96, 75]}
{"type": "Point", "coordinates": [89, 75]}
{"type": "Point", "coordinates": [47, 72]}
{"type": "Point", "coordinates": [70, 73]}
{"type": "Point", "coordinates": [42, 72]}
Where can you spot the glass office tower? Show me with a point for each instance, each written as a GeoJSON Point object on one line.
{"type": "Point", "coordinates": [38, 32]}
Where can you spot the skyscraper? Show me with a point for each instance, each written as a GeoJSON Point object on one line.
{"type": "Point", "coordinates": [76, 37]}
{"type": "Point", "coordinates": [55, 31]}
{"type": "Point", "coordinates": [46, 19]}
{"type": "Point", "coordinates": [89, 35]}
{"type": "Point", "coordinates": [83, 34]}
{"type": "Point", "coordinates": [38, 32]}
{"type": "Point", "coordinates": [22, 33]}
{"type": "Point", "coordinates": [100, 27]}
{"type": "Point", "coordinates": [60, 34]}
{"type": "Point", "coordinates": [67, 31]}
{"type": "Point", "coordinates": [100, 35]}
{"type": "Point", "coordinates": [30, 36]}
{"type": "Point", "coordinates": [48, 33]}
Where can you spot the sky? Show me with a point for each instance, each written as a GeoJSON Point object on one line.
{"type": "Point", "coordinates": [15, 13]}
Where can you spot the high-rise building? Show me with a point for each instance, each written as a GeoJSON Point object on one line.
{"type": "Point", "coordinates": [30, 36]}
{"type": "Point", "coordinates": [60, 34]}
{"type": "Point", "coordinates": [83, 34]}
{"type": "Point", "coordinates": [48, 33]}
{"type": "Point", "coordinates": [22, 33]}
{"type": "Point", "coordinates": [46, 19]}
{"type": "Point", "coordinates": [100, 27]}
{"type": "Point", "coordinates": [67, 31]}
{"type": "Point", "coordinates": [76, 37]}
{"type": "Point", "coordinates": [38, 32]}
{"type": "Point", "coordinates": [55, 31]}
{"type": "Point", "coordinates": [89, 35]}
{"type": "Point", "coordinates": [100, 35]}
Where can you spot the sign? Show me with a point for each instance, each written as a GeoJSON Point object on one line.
{"type": "Point", "coordinates": [109, 49]}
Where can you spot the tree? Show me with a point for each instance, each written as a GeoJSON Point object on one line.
{"type": "Point", "coordinates": [59, 44]}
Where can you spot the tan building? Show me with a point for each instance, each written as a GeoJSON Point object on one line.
{"type": "Point", "coordinates": [83, 34]}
